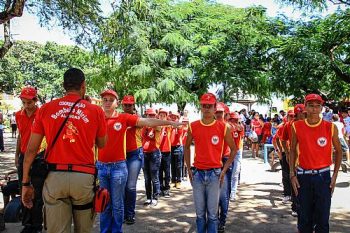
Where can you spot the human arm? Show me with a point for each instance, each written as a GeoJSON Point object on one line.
{"type": "Point", "coordinates": [187, 154]}
{"type": "Point", "coordinates": [230, 142]}
{"type": "Point", "coordinates": [293, 157]}
{"type": "Point", "coordinates": [151, 122]}
{"type": "Point", "coordinates": [338, 157]}
{"type": "Point", "coordinates": [32, 148]}
{"type": "Point", "coordinates": [18, 150]}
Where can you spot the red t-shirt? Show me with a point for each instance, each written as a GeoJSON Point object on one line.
{"type": "Point", "coordinates": [257, 126]}
{"type": "Point", "coordinates": [115, 149]}
{"type": "Point", "coordinates": [267, 129]}
{"type": "Point", "coordinates": [165, 143]}
{"type": "Point", "coordinates": [209, 143]}
{"type": "Point", "coordinates": [133, 138]}
{"type": "Point", "coordinates": [24, 124]}
{"type": "Point", "coordinates": [75, 144]}
{"type": "Point", "coordinates": [176, 136]}
{"type": "Point", "coordinates": [237, 136]}
{"type": "Point", "coordinates": [150, 139]}
{"type": "Point", "coordinates": [314, 144]}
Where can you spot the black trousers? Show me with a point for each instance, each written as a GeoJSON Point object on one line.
{"type": "Point", "coordinates": [32, 218]}
{"type": "Point", "coordinates": [285, 176]}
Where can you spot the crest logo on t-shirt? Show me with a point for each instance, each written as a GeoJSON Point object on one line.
{"type": "Point", "coordinates": [164, 133]}
{"type": "Point", "coordinates": [70, 132]}
{"type": "Point", "coordinates": [235, 135]}
{"type": "Point", "coordinates": [151, 134]}
{"type": "Point", "coordinates": [215, 140]}
{"type": "Point", "coordinates": [117, 126]}
{"type": "Point", "coordinates": [322, 141]}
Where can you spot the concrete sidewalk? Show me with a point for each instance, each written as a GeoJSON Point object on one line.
{"type": "Point", "coordinates": [258, 208]}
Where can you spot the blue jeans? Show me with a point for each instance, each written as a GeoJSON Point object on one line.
{"type": "Point", "coordinates": [176, 163]}
{"type": "Point", "coordinates": [315, 202]}
{"type": "Point", "coordinates": [225, 194]}
{"type": "Point", "coordinates": [236, 170]}
{"type": "Point", "coordinates": [151, 173]}
{"type": "Point", "coordinates": [113, 176]}
{"type": "Point", "coordinates": [206, 191]}
{"type": "Point", "coordinates": [134, 161]}
{"type": "Point", "coordinates": [164, 171]}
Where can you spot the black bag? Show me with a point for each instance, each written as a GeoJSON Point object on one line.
{"type": "Point", "coordinates": [40, 167]}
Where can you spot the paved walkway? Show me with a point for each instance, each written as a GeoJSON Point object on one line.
{"type": "Point", "coordinates": [259, 206]}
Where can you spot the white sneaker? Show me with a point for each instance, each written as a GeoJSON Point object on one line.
{"type": "Point", "coordinates": [232, 198]}
{"type": "Point", "coordinates": [147, 202]}
{"type": "Point", "coordinates": [154, 202]}
{"type": "Point", "coordinates": [286, 199]}
{"type": "Point", "coordinates": [294, 214]}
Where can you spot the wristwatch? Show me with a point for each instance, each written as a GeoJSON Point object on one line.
{"type": "Point", "coordinates": [26, 183]}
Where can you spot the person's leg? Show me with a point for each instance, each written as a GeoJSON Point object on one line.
{"type": "Point", "coordinates": [2, 148]}
{"type": "Point", "coordinates": [236, 169]}
{"type": "Point", "coordinates": [178, 170]}
{"type": "Point", "coordinates": [26, 216]}
{"type": "Point", "coordinates": [106, 220]}
{"type": "Point", "coordinates": [147, 176]}
{"type": "Point", "coordinates": [212, 199]}
{"type": "Point", "coordinates": [81, 193]}
{"type": "Point", "coordinates": [199, 197]}
{"type": "Point", "coordinates": [119, 175]}
{"type": "Point", "coordinates": [56, 199]}
{"type": "Point", "coordinates": [305, 198]}
{"type": "Point", "coordinates": [154, 166]}
{"type": "Point", "coordinates": [322, 195]}
{"type": "Point", "coordinates": [134, 162]}
{"type": "Point", "coordinates": [38, 203]}
{"type": "Point", "coordinates": [161, 173]}
{"type": "Point", "coordinates": [167, 171]}
{"type": "Point", "coordinates": [224, 200]}
{"type": "Point", "coordinates": [285, 176]}
{"type": "Point", "coordinates": [173, 165]}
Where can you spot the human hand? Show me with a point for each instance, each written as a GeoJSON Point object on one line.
{"type": "Point", "coordinates": [295, 184]}
{"type": "Point", "coordinates": [333, 183]}
{"type": "Point", "coordinates": [27, 196]}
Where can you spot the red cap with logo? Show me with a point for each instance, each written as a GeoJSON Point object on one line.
{"type": "Point", "coordinates": [290, 113]}
{"type": "Point", "coordinates": [207, 98]}
{"type": "Point", "coordinates": [128, 99]}
{"type": "Point", "coordinates": [220, 107]}
{"type": "Point", "coordinates": [176, 114]}
{"type": "Point", "coordinates": [150, 111]}
{"type": "Point", "coordinates": [299, 108]}
{"type": "Point", "coordinates": [28, 93]}
{"type": "Point", "coordinates": [313, 97]}
{"type": "Point", "coordinates": [109, 92]}
{"type": "Point", "coordinates": [227, 110]}
{"type": "Point", "coordinates": [234, 115]}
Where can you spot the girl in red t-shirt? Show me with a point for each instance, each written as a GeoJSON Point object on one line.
{"type": "Point", "coordinates": [256, 125]}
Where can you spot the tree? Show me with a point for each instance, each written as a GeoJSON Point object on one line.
{"type": "Point", "coordinates": [79, 17]}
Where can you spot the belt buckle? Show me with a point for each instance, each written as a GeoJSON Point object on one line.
{"type": "Point", "coordinates": [314, 172]}
{"type": "Point", "coordinates": [70, 167]}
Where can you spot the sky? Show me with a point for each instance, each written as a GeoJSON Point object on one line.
{"type": "Point", "coordinates": [27, 27]}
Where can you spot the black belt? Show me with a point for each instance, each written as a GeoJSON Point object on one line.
{"type": "Point", "coordinates": [205, 170]}
{"type": "Point", "coordinates": [88, 169]}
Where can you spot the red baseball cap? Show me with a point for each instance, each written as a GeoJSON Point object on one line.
{"type": "Point", "coordinates": [299, 108]}
{"type": "Point", "coordinates": [314, 97]}
{"type": "Point", "coordinates": [162, 110]}
{"type": "Point", "coordinates": [220, 107]}
{"type": "Point", "coordinates": [234, 115]}
{"type": "Point", "coordinates": [150, 111]}
{"type": "Point", "coordinates": [109, 92]}
{"type": "Point", "coordinates": [128, 99]}
{"type": "Point", "coordinates": [175, 114]}
{"type": "Point", "coordinates": [291, 112]}
{"type": "Point", "coordinates": [207, 98]}
{"type": "Point", "coordinates": [227, 110]}
{"type": "Point", "coordinates": [28, 93]}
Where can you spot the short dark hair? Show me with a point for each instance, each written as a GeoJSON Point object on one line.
{"type": "Point", "coordinates": [73, 78]}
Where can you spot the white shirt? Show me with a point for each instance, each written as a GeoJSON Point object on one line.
{"type": "Point", "coordinates": [340, 127]}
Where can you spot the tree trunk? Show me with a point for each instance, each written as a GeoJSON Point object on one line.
{"type": "Point", "coordinates": [12, 9]}
{"type": "Point", "coordinates": [7, 40]}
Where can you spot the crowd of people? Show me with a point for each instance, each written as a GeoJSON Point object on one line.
{"type": "Point", "coordinates": [82, 142]}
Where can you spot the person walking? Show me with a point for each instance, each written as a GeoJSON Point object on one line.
{"type": "Point", "coordinates": [69, 186]}
{"type": "Point", "coordinates": [311, 177]}
{"type": "Point", "coordinates": [32, 219]}
{"type": "Point", "coordinates": [208, 172]}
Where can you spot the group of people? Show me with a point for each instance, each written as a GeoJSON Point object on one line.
{"type": "Point", "coordinates": [81, 141]}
